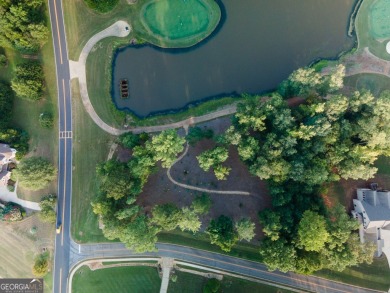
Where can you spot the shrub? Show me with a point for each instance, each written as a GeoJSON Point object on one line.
{"type": "Point", "coordinates": [212, 286]}
{"type": "Point", "coordinates": [41, 265]}
{"type": "Point", "coordinates": [46, 120]}
{"type": "Point", "coordinates": [102, 6]}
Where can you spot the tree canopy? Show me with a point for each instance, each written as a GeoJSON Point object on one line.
{"type": "Point", "coordinates": [22, 25]}
{"type": "Point", "coordinates": [35, 173]}
{"type": "Point", "coordinates": [28, 82]}
{"type": "Point", "coordinates": [222, 233]}
{"type": "Point", "coordinates": [6, 104]}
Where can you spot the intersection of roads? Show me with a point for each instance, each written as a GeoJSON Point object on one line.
{"type": "Point", "coordinates": [68, 253]}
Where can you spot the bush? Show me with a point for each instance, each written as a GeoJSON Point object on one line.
{"type": "Point", "coordinates": [11, 188]}
{"type": "Point", "coordinates": [46, 120]}
{"type": "Point", "coordinates": [212, 286]}
{"type": "Point", "coordinates": [11, 213]}
{"type": "Point", "coordinates": [41, 265]}
{"type": "Point", "coordinates": [196, 134]}
{"type": "Point", "coordinates": [3, 60]}
{"type": "Point", "coordinates": [102, 6]}
{"type": "Point", "coordinates": [201, 204]}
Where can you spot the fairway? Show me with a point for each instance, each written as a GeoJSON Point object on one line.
{"type": "Point", "coordinates": [116, 280]}
{"type": "Point", "coordinates": [180, 19]}
{"type": "Point", "coordinates": [379, 17]}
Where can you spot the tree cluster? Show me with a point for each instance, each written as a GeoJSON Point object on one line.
{"type": "Point", "coordinates": [35, 173]}
{"type": "Point", "coordinates": [29, 81]}
{"type": "Point", "coordinates": [120, 183]}
{"type": "Point", "coordinates": [213, 159]}
{"type": "Point", "coordinates": [299, 151]}
{"type": "Point", "coordinates": [224, 233]}
{"type": "Point", "coordinates": [22, 25]}
{"type": "Point", "coordinates": [17, 139]}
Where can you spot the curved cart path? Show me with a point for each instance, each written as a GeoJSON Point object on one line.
{"type": "Point", "coordinates": [186, 186]}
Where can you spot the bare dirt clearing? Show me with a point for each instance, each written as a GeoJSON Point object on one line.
{"type": "Point", "coordinates": [160, 190]}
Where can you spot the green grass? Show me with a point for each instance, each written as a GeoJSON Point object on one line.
{"type": "Point", "coordinates": [379, 19]}
{"type": "Point", "coordinates": [364, 28]}
{"type": "Point", "coordinates": [90, 146]}
{"type": "Point", "coordinates": [202, 241]}
{"type": "Point", "coordinates": [375, 83]}
{"type": "Point", "coordinates": [178, 20]}
{"type": "Point", "coordinates": [190, 283]}
{"type": "Point", "coordinates": [374, 276]}
{"type": "Point", "coordinates": [43, 142]}
{"type": "Point", "coordinates": [116, 280]}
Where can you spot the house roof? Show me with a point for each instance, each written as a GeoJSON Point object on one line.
{"type": "Point", "coordinates": [376, 213]}
{"type": "Point", "coordinates": [6, 152]}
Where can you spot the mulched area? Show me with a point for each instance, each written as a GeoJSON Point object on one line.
{"type": "Point", "coordinates": [160, 190]}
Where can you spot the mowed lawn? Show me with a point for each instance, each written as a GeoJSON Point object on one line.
{"type": "Point", "coordinates": [191, 283]}
{"type": "Point", "coordinates": [116, 280]}
{"type": "Point", "coordinates": [43, 142]}
{"type": "Point", "coordinates": [90, 147]}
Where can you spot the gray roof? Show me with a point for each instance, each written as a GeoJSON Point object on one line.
{"type": "Point", "coordinates": [376, 213]}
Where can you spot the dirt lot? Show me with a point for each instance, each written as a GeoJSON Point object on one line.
{"type": "Point", "coordinates": [160, 190]}
{"type": "Point", "coordinates": [19, 247]}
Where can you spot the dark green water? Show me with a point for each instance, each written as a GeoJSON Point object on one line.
{"type": "Point", "coordinates": [258, 45]}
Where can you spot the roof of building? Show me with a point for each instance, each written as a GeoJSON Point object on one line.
{"type": "Point", "coordinates": [376, 213]}
{"type": "Point", "coordinates": [6, 152]}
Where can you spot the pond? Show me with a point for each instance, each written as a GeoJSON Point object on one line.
{"type": "Point", "coordinates": [256, 46]}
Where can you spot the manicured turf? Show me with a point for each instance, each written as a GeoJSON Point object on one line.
{"type": "Point", "coordinates": [374, 276]}
{"type": "Point", "coordinates": [365, 29]}
{"type": "Point", "coordinates": [191, 283]}
{"type": "Point", "coordinates": [116, 280]}
{"type": "Point", "coordinates": [90, 146]}
{"type": "Point", "coordinates": [379, 19]}
{"type": "Point", "coordinates": [170, 20]}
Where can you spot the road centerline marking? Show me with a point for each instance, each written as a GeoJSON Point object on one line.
{"type": "Point", "coordinates": [58, 31]}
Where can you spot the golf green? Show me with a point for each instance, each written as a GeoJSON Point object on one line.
{"type": "Point", "coordinates": [184, 22]}
{"type": "Point", "coordinates": [379, 17]}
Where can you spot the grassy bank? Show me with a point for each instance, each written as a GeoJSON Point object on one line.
{"type": "Point", "coordinates": [90, 147]}
{"type": "Point", "coordinates": [195, 283]}
{"type": "Point", "coordinates": [365, 37]}
{"type": "Point", "coordinates": [116, 280]}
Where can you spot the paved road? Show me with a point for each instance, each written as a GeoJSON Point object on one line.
{"type": "Point", "coordinates": [62, 241]}
{"type": "Point", "coordinates": [68, 253]}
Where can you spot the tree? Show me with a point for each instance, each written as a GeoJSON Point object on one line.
{"type": "Point", "coordinates": [196, 134]}
{"type": "Point", "coordinates": [22, 25]}
{"type": "Point", "coordinates": [278, 255]}
{"type": "Point", "coordinates": [222, 233]}
{"type": "Point", "coordinates": [189, 221]}
{"type": "Point", "coordinates": [245, 229]}
{"type": "Point", "coordinates": [46, 120]}
{"type": "Point", "coordinates": [270, 221]}
{"type": "Point", "coordinates": [130, 140]}
{"type": "Point", "coordinates": [116, 180]}
{"type": "Point", "coordinates": [201, 204]}
{"type": "Point", "coordinates": [41, 265]}
{"type": "Point", "coordinates": [6, 104]}
{"type": "Point", "coordinates": [166, 216]}
{"type": "Point", "coordinates": [139, 235]}
{"type": "Point", "coordinates": [28, 82]}
{"type": "Point", "coordinates": [221, 172]}
{"type": "Point", "coordinates": [312, 233]}
{"type": "Point", "coordinates": [35, 173]}
{"type": "Point", "coordinates": [165, 147]}
{"type": "Point", "coordinates": [48, 208]}
{"type": "Point", "coordinates": [214, 158]}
